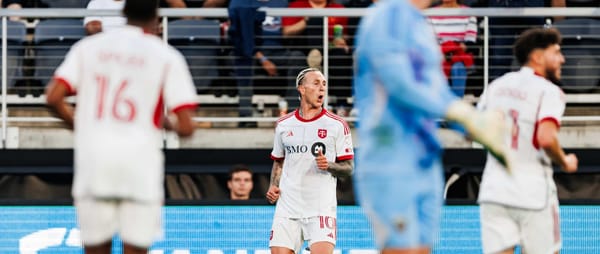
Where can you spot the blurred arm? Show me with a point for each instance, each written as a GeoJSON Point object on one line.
{"type": "Point", "coordinates": [55, 98]}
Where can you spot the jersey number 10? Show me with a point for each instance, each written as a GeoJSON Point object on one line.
{"type": "Point", "coordinates": [117, 103]}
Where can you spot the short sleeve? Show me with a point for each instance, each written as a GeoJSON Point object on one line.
{"type": "Point", "coordinates": [70, 70]}
{"type": "Point", "coordinates": [278, 152]}
{"type": "Point", "coordinates": [552, 105]}
{"type": "Point", "coordinates": [179, 91]}
{"type": "Point", "coordinates": [343, 144]}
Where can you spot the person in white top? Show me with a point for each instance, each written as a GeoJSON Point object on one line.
{"type": "Point", "coordinates": [123, 80]}
{"type": "Point", "coordinates": [96, 24]}
{"type": "Point", "coordinates": [312, 147]}
{"type": "Point", "coordinates": [520, 206]}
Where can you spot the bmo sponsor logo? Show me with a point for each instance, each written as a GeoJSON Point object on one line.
{"type": "Point", "coordinates": [296, 149]}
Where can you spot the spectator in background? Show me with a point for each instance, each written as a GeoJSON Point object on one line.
{"type": "Point", "coordinates": [240, 182]}
{"type": "Point", "coordinates": [307, 33]}
{"type": "Point", "coordinates": [504, 30]}
{"type": "Point", "coordinates": [94, 25]}
{"type": "Point", "coordinates": [12, 4]}
{"type": "Point", "coordinates": [245, 26]}
{"type": "Point", "coordinates": [215, 3]}
{"type": "Point", "coordinates": [172, 4]}
{"type": "Point", "coordinates": [453, 34]}
{"type": "Point", "coordinates": [275, 58]}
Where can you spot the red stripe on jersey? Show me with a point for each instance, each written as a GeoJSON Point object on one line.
{"type": "Point", "coordinates": [338, 118]}
{"type": "Point", "coordinates": [345, 157]}
{"type": "Point", "coordinates": [64, 82]}
{"type": "Point", "coordinates": [191, 106]}
{"type": "Point", "coordinates": [537, 124]}
{"type": "Point", "coordinates": [286, 116]}
{"type": "Point", "coordinates": [158, 115]}
{"type": "Point", "coordinates": [276, 158]}
{"type": "Point", "coordinates": [551, 119]}
{"type": "Point", "coordinates": [158, 112]}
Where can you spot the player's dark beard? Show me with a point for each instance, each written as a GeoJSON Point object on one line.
{"type": "Point", "coordinates": [551, 75]}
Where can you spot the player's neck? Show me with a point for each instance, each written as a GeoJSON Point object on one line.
{"type": "Point", "coordinates": [307, 112]}
{"type": "Point", "coordinates": [148, 27]}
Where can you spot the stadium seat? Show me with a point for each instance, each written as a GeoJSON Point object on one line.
{"type": "Point", "coordinates": [198, 41]}
{"type": "Point", "coordinates": [581, 37]}
{"type": "Point", "coordinates": [15, 51]}
{"type": "Point", "coordinates": [52, 40]}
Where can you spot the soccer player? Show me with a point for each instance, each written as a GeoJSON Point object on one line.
{"type": "Point", "coordinates": [312, 147]}
{"type": "Point", "coordinates": [522, 207]}
{"type": "Point", "coordinates": [400, 92]}
{"type": "Point", "coordinates": [123, 79]}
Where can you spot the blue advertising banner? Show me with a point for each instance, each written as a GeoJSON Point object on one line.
{"type": "Point", "coordinates": [245, 230]}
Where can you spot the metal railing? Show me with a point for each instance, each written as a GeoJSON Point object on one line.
{"type": "Point", "coordinates": [167, 14]}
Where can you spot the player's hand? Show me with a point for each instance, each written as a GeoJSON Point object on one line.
{"type": "Point", "coordinates": [321, 160]}
{"type": "Point", "coordinates": [273, 194]}
{"type": "Point", "coordinates": [571, 163]}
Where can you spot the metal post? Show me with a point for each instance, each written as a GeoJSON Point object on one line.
{"type": "Point", "coordinates": [4, 80]}
{"type": "Point", "coordinates": [326, 57]}
{"type": "Point", "coordinates": [165, 37]}
{"type": "Point", "coordinates": [486, 51]}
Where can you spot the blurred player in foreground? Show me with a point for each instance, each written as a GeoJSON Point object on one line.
{"type": "Point", "coordinates": [312, 147]}
{"type": "Point", "coordinates": [522, 207]}
{"type": "Point", "coordinates": [123, 80]}
{"type": "Point", "coordinates": [400, 91]}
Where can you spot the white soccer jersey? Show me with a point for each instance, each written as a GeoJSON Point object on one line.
{"type": "Point", "coordinates": [108, 22]}
{"type": "Point", "coordinates": [307, 191]}
{"type": "Point", "coordinates": [526, 99]}
{"type": "Point", "coordinates": [123, 79]}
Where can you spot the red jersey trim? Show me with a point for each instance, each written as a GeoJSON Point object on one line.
{"type": "Point", "coordinates": [551, 119]}
{"type": "Point", "coordinates": [286, 116]}
{"type": "Point", "coordinates": [158, 112]}
{"type": "Point", "coordinates": [191, 106]}
{"type": "Point", "coordinates": [276, 158]}
{"type": "Point", "coordinates": [297, 114]}
{"type": "Point", "coordinates": [70, 89]}
{"type": "Point", "coordinates": [340, 119]}
{"type": "Point", "coordinates": [345, 157]}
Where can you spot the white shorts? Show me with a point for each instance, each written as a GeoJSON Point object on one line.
{"type": "Point", "coordinates": [291, 233]}
{"type": "Point", "coordinates": [137, 223]}
{"type": "Point", "coordinates": [537, 231]}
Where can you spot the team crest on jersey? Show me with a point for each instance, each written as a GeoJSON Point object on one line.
{"type": "Point", "coordinates": [322, 133]}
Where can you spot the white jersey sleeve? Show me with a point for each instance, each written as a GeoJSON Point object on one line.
{"type": "Point", "coordinates": [552, 105]}
{"type": "Point", "coordinates": [343, 143]}
{"type": "Point", "coordinates": [277, 153]}
{"type": "Point", "coordinates": [178, 91]}
{"type": "Point", "coordinates": [71, 68]}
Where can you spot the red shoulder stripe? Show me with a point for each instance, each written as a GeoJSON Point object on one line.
{"type": "Point", "coordinates": [338, 118]}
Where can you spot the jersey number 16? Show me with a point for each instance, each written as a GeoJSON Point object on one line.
{"type": "Point", "coordinates": [119, 101]}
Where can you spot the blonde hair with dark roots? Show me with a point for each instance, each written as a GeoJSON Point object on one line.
{"type": "Point", "coordinates": [302, 74]}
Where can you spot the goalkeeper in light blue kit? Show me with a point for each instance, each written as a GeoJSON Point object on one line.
{"type": "Point", "coordinates": [400, 92]}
